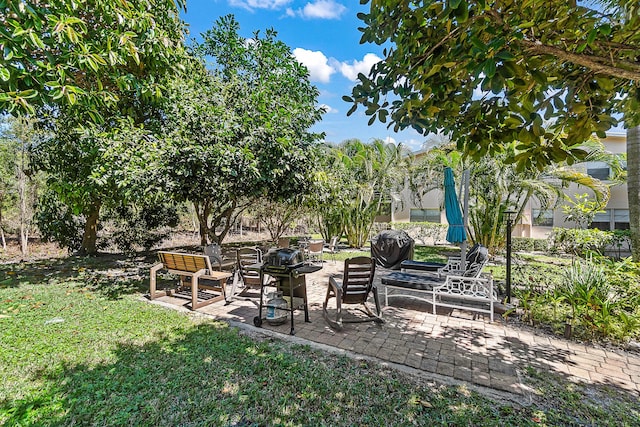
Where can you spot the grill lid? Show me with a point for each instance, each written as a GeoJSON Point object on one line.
{"type": "Point", "coordinates": [283, 259]}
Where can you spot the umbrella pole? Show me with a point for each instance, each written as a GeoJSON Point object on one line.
{"type": "Point", "coordinates": [465, 218]}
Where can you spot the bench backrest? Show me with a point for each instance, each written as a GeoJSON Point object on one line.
{"type": "Point", "coordinates": [190, 263]}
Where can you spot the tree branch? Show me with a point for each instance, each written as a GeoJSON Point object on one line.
{"type": "Point", "coordinates": [597, 64]}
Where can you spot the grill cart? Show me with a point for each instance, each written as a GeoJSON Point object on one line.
{"type": "Point", "coordinates": [286, 266]}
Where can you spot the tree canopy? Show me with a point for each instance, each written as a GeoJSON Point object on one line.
{"type": "Point", "coordinates": [85, 51]}
{"type": "Point", "coordinates": [547, 73]}
{"type": "Point", "coordinates": [239, 129]}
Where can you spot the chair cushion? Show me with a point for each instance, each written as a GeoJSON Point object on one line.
{"type": "Point", "coordinates": [411, 264]}
{"type": "Point", "coordinates": [411, 280]}
{"type": "Point", "coordinates": [472, 252]}
{"type": "Point", "coordinates": [476, 262]}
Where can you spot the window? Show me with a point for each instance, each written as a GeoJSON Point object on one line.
{"type": "Point", "coordinates": [621, 219]}
{"type": "Point", "coordinates": [542, 218]}
{"type": "Point", "coordinates": [599, 173]}
{"type": "Point", "coordinates": [424, 215]}
{"type": "Point", "coordinates": [612, 219]}
{"type": "Point", "coordinates": [598, 170]}
{"type": "Point", "coordinates": [602, 221]}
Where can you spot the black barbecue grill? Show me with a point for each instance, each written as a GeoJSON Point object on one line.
{"type": "Point", "coordinates": [287, 267]}
{"type": "Point", "coordinates": [282, 260]}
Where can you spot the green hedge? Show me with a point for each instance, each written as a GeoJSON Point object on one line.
{"type": "Point", "coordinates": [529, 244]}
{"type": "Point", "coordinates": [422, 230]}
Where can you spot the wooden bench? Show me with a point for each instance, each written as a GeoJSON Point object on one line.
{"type": "Point", "coordinates": [461, 292]}
{"type": "Point", "coordinates": [197, 268]}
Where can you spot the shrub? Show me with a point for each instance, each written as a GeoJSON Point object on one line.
{"type": "Point", "coordinates": [135, 227]}
{"type": "Point", "coordinates": [601, 297]}
{"type": "Point", "coordinates": [528, 244]}
{"type": "Point", "coordinates": [422, 231]}
{"type": "Point", "coordinates": [579, 241]}
{"type": "Point", "coordinates": [595, 305]}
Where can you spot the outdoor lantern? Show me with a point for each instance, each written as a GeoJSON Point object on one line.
{"type": "Point", "coordinates": [510, 215]}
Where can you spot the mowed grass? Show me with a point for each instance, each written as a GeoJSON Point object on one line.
{"type": "Point", "coordinates": [79, 346]}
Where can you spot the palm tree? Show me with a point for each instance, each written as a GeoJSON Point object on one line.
{"type": "Point", "coordinates": [360, 178]}
{"type": "Point", "coordinates": [497, 185]}
{"type": "Point", "coordinates": [376, 170]}
{"type": "Point", "coordinates": [633, 188]}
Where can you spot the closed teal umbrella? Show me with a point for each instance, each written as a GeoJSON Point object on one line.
{"type": "Point", "coordinates": [456, 232]}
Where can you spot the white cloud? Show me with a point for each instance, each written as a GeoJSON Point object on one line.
{"type": "Point", "coordinates": [323, 9]}
{"type": "Point", "coordinates": [316, 62]}
{"type": "Point", "coordinates": [320, 9]}
{"type": "Point", "coordinates": [351, 71]}
{"type": "Point", "coordinates": [414, 144]}
{"type": "Point", "coordinates": [259, 4]}
{"type": "Point", "coordinates": [390, 140]}
{"type": "Point", "coordinates": [328, 109]}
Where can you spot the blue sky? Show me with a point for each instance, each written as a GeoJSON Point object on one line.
{"type": "Point", "coordinates": [324, 36]}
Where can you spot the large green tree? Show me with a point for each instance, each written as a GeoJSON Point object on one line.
{"type": "Point", "coordinates": [19, 183]}
{"type": "Point", "coordinates": [89, 171]}
{"type": "Point", "coordinates": [489, 72]}
{"type": "Point", "coordinates": [92, 70]}
{"type": "Point", "coordinates": [87, 52]}
{"type": "Point", "coordinates": [239, 130]}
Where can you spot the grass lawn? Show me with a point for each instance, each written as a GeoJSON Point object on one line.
{"type": "Point", "coordinates": [78, 346]}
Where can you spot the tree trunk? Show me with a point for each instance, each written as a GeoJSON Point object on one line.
{"type": "Point", "coordinates": [633, 188]}
{"type": "Point", "coordinates": [202, 213]}
{"type": "Point", "coordinates": [22, 193]}
{"type": "Point", "coordinates": [90, 236]}
{"type": "Point", "coordinates": [4, 241]}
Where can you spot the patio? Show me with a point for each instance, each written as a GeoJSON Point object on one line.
{"type": "Point", "coordinates": [453, 346]}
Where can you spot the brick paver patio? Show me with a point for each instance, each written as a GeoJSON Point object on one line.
{"type": "Point", "coordinates": [453, 345]}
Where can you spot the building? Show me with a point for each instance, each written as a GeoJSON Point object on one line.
{"type": "Point", "coordinates": [534, 223]}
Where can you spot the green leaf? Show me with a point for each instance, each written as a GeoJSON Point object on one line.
{"type": "Point", "coordinates": [513, 122]}
{"type": "Point", "coordinates": [5, 75]}
{"type": "Point", "coordinates": [605, 83]}
{"type": "Point", "coordinates": [36, 40]}
{"type": "Point", "coordinates": [505, 55]}
{"type": "Point", "coordinates": [8, 53]}
{"type": "Point", "coordinates": [578, 108]}
{"type": "Point", "coordinates": [605, 29]}
{"type": "Point", "coordinates": [524, 135]}
{"type": "Point", "coordinates": [27, 94]}
{"type": "Point", "coordinates": [490, 68]}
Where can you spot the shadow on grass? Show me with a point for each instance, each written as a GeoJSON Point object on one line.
{"type": "Point", "coordinates": [209, 375]}
{"type": "Point", "coordinates": [112, 275]}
